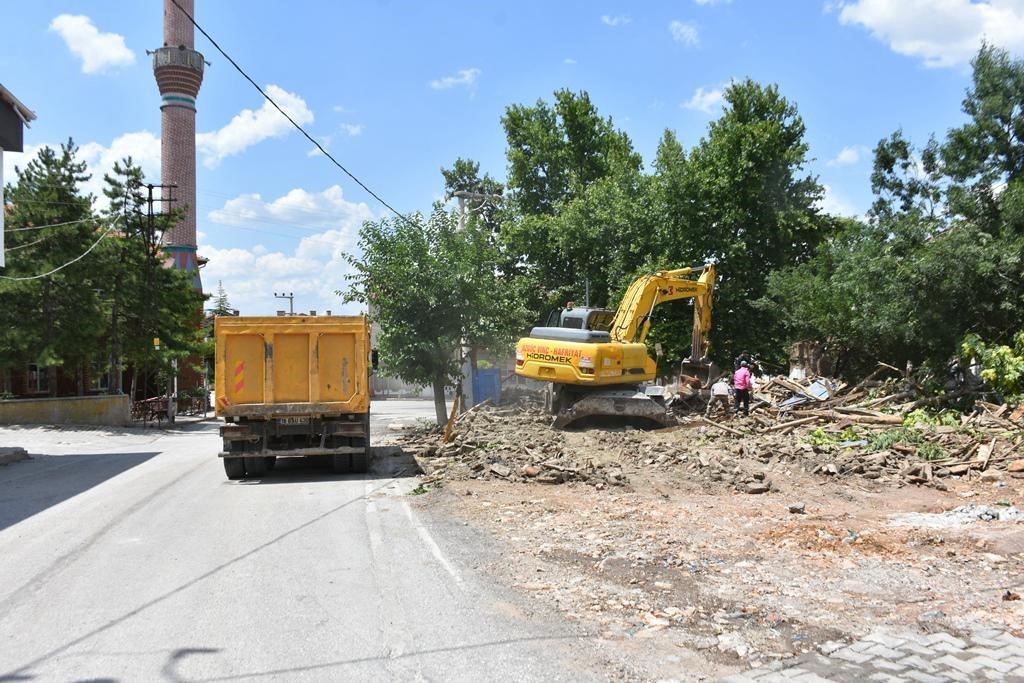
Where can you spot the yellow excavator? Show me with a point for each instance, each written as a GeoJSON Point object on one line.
{"type": "Point", "coordinates": [595, 360]}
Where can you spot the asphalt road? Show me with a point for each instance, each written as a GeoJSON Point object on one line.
{"type": "Point", "coordinates": [126, 555]}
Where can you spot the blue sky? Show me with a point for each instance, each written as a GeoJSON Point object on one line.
{"type": "Point", "coordinates": [398, 89]}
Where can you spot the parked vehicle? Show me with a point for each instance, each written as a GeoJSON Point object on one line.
{"type": "Point", "coordinates": [293, 386]}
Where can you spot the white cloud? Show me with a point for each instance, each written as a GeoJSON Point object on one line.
{"type": "Point", "coordinates": [834, 205]}
{"type": "Point", "coordinates": [943, 33]}
{"type": "Point", "coordinates": [466, 77]}
{"type": "Point", "coordinates": [706, 100]}
{"type": "Point", "coordinates": [569, 60]}
{"type": "Point", "coordinates": [142, 146]}
{"type": "Point", "coordinates": [313, 271]}
{"type": "Point", "coordinates": [712, 2]}
{"type": "Point", "coordinates": [848, 155]}
{"type": "Point", "coordinates": [98, 51]}
{"type": "Point", "coordinates": [249, 127]}
{"type": "Point", "coordinates": [327, 209]}
{"type": "Point", "coordinates": [619, 20]}
{"type": "Point", "coordinates": [684, 32]}
{"type": "Point", "coordinates": [352, 129]}
{"type": "Point", "coordinates": [19, 159]}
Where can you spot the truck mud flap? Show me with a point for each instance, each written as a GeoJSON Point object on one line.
{"type": "Point", "coordinates": [614, 407]}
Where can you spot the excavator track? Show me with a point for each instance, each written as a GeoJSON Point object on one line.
{"type": "Point", "coordinates": [601, 408]}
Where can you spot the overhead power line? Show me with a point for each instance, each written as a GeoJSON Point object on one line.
{"type": "Point", "coordinates": [62, 267]}
{"type": "Point", "coordinates": [299, 128]}
{"type": "Point", "coordinates": [51, 225]}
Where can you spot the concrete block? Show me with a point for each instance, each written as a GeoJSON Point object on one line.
{"type": "Point", "coordinates": [947, 638]}
{"type": "Point", "coordinates": [12, 454]}
{"type": "Point", "coordinates": [919, 664]}
{"type": "Point", "coordinates": [962, 665]}
{"type": "Point", "coordinates": [887, 639]}
{"type": "Point", "coordinates": [887, 665]}
{"type": "Point", "coordinates": [850, 655]}
{"type": "Point", "coordinates": [884, 652]}
{"type": "Point", "coordinates": [994, 664]}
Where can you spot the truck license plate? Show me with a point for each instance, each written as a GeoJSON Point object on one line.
{"type": "Point", "coordinates": [295, 420]}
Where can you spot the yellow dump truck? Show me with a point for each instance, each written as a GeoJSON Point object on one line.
{"type": "Point", "coordinates": [293, 386]}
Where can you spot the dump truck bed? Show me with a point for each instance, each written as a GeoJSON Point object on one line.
{"type": "Point", "coordinates": [270, 366]}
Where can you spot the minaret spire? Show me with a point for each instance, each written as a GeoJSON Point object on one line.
{"type": "Point", "coordinates": [179, 74]}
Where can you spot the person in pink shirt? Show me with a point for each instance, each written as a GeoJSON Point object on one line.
{"type": "Point", "coordinates": [741, 384]}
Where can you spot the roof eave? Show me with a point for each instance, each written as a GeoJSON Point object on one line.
{"type": "Point", "coordinates": [20, 109]}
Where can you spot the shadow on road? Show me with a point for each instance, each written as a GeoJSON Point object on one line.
{"type": "Point", "coordinates": [389, 462]}
{"type": "Point", "coordinates": [45, 480]}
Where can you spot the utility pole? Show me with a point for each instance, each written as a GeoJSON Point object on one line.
{"type": "Point", "coordinates": [464, 195]}
{"type": "Point", "coordinates": [467, 354]}
{"type": "Point", "coordinates": [291, 300]}
{"type": "Point", "coordinates": [152, 246]}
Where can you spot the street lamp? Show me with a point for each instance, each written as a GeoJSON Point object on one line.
{"type": "Point", "coordinates": [291, 300]}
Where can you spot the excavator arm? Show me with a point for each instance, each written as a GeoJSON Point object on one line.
{"type": "Point", "coordinates": [632, 320]}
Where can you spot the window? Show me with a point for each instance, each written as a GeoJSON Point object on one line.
{"type": "Point", "coordinates": [37, 380]}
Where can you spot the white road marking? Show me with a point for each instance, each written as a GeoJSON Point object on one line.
{"type": "Point", "coordinates": [431, 544]}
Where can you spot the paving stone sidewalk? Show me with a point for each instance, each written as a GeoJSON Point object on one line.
{"type": "Point", "coordinates": [984, 655]}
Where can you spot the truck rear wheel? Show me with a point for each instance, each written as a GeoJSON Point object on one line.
{"type": "Point", "coordinates": [234, 468]}
{"type": "Point", "coordinates": [341, 463]}
{"type": "Point", "coordinates": [255, 467]}
{"type": "Point", "coordinates": [361, 461]}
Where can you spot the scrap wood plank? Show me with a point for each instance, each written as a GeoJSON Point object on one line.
{"type": "Point", "coordinates": [879, 418]}
{"type": "Point", "coordinates": [722, 427]}
{"type": "Point", "coordinates": [985, 453]}
{"type": "Point", "coordinates": [993, 409]}
{"type": "Point", "coordinates": [793, 423]}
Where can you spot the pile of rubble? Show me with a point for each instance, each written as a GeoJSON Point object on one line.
{"type": "Point", "coordinates": [514, 444]}
{"type": "Point", "coordinates": [819, 427]}
{"type": "Point", "coordinates": [886, 431]}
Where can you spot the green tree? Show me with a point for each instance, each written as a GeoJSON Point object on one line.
{"type": "Point", "coordinates": [432, 288]}
{"type": "Point", "coordinates": [574, 181]}
{"type": "Point", "coordinates": [142, 298]}
{"type": "Point", "coordinates": [742, 198]}
{"type": "Point", "coordinates": [51, 320]}
{"type": "Point", "coordinates": [221, 304]}
{"type": "Point", "coordinates": [943, 257]}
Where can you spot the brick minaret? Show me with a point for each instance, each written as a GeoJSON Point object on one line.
{"type": "Point", "coordinates": [179, 73]}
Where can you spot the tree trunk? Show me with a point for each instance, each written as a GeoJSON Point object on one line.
{"type": "Point", "coordinates": [440, 409]}
{"type": "Point", "coordinates": [114, 382]}
{"type": "Point", "coordinates": [51, 370]}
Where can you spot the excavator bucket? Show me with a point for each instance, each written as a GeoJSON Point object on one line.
{"type": "Point", "coordinates": [705, 372]}
{"type": "Point", "coordinates": [614, 407]}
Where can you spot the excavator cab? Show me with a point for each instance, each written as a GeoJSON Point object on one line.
{"type": "Point", "coordinates": [596, 319]}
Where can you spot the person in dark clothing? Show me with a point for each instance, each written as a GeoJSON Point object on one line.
{"type": "Point", "coordinates": [743, 357]}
